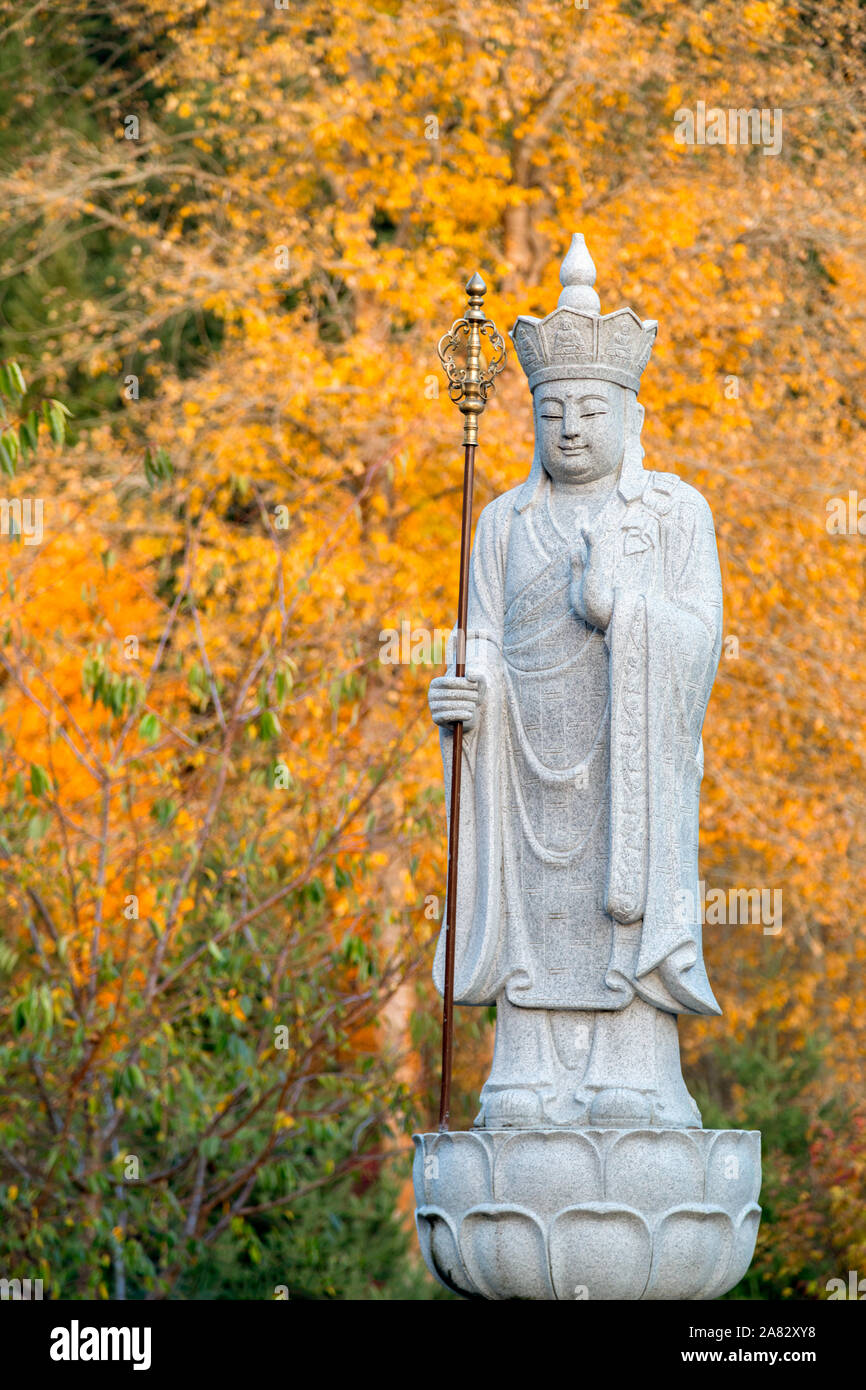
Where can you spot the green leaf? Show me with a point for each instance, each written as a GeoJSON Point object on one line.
{"type": "Point", "coordinates": [37, 827]}
{"type": "Point", "coordinates": [39, 780]}
{"type": "Point", "coordinates": [17, 378]}
{"type": "Point", "coordinates": [164, 811]}
{"type": "Point", "coordinates": [10, 445]}
{"type": "Point", "coordinates": [8, 957]}
{"type": "Point", "coordinates": [55, 420]}
{"type": "Point", "coordinates": [269, 724]}
{"type": "Point", "coordinates": [28, 431]}
{"type": "Point", "coordinates": [149, 728]}
{"type": "Point", "coordinates": [157, 468]}
{"type": "Point", "coordinates": [131, 1079]}
{"type": "Point", "coordinates": [46, 1007]}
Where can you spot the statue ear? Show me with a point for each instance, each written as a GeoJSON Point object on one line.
{"type": "Point", "coordinates": [634, 452]}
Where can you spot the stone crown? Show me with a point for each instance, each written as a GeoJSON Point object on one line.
{"type": "Point", "coordinates": [576, 341]}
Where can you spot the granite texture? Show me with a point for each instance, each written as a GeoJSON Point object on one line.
{"type": "Point", "coordinates": [588, 1214]}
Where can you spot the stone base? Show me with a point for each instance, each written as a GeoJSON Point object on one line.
{"type": "Point", "coordinates": [588, 1214]}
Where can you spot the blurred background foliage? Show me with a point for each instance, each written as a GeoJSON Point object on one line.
{"type": "Point", "coordinates": [230, 236]}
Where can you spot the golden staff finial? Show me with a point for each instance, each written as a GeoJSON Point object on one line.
{"type": "Point", "coordinates": [468, 386]}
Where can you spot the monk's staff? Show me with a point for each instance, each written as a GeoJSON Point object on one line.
{"type": "Point", "coordinates": [470, 379]}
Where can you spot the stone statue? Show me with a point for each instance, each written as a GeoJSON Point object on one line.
{"type": "Point", "coordinates": [593, 638]}
{"type": "Point", "coordinates": [594, 634]}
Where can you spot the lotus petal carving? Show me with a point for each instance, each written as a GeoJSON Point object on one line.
{"type": "Point", "coordinates": [600, 1251]}
{"type": "Point", "coordinates": [595, 1214]}
{"type": "Point", "coordinates": [505, 1251]}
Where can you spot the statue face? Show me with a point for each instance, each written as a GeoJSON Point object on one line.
{"type": "Point", "coordinates": [580, 428]}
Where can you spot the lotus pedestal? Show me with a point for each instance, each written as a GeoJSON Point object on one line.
{"type": "Point", "coordinates": [588, 1214]}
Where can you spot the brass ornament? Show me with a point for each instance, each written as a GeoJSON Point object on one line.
{"type": "Point", "coordinates": [470, 374]}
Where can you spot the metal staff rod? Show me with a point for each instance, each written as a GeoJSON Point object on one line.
{"type": "Point", "coordinates": [469, 382]}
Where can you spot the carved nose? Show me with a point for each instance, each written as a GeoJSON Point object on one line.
{"type": "Point", "coordinates": [570, 426]}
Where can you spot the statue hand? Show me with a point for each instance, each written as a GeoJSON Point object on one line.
{"type": "Point", "coordinates": [456, 699]}
{"type": "Point", "coordinates": [592, 592]}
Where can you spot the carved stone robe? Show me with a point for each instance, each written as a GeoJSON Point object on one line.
{"type": "Point", "coordinates": [578, 869]}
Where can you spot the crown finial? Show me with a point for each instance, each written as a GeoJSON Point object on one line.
{"type": "Point", "coordinates": [576, 341]}
{"type": "Point", "coordinates": [577, 276]}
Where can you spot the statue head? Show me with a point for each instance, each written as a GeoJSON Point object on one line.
{"type": "Point", "coordinates": [582, 427]}
{"type": "Point", "coordinates": [584, 372]}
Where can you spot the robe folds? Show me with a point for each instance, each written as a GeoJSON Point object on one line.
{"type": "Point", "coordinates": [578, 863]}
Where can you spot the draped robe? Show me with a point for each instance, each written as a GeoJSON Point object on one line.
{"type": "Point", "coordinates": [578, 865]}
